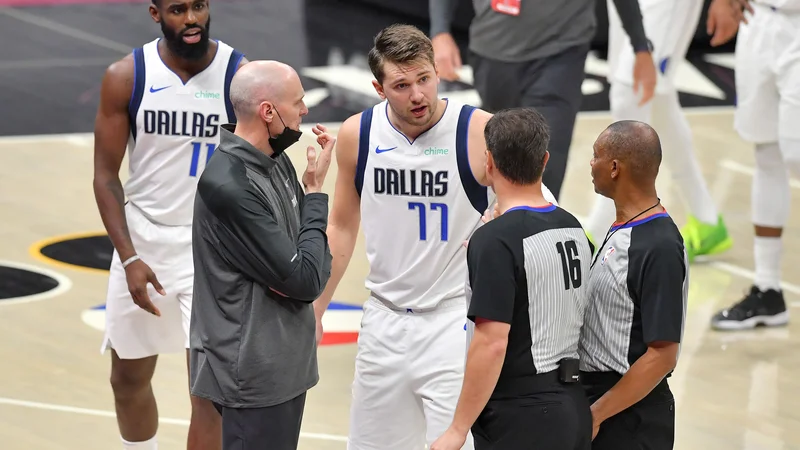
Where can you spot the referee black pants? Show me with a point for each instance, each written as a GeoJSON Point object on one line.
{"type": "Point", "coordinates": [646, 425]}
{"type": "Point", "coordinates": [554, 416]}
{"type": "Point", "coordinates": [271, 428]}
{"type": "Point", "coordinates": [551, 85]}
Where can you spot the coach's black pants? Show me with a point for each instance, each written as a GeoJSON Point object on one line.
{"type": "Point", "coordinates": [647, 425]}
{"type": "Point", "coordinates": [555, 417]}
{"type": "Point", "coordinates": [271, 428]}
{"type": "Point", "coordinates": [551, 85]}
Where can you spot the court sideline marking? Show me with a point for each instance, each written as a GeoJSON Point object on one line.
{"type": "Point", "coordinates": [64, 283]}
{"type": "Point", "coordinates": [65, 30]}
{"type": "Point", "coordinates": [112, 415]}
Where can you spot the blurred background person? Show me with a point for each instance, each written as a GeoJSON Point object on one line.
{"type": "Point", "coordinates": [670, 25]}
{"type": "Point", "coordinates": [767, 115]}
{"type": "Point", "coordinates": [533, 53]}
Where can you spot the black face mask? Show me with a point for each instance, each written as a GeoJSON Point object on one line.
{"type": "Point", "coordinates": [284, 140]}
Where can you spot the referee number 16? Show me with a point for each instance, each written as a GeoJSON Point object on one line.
{"type": "Point", "coordinates": [570, 263]}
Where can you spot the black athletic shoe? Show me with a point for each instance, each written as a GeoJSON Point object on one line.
{"type": "Point", "coordinates": [757, 308]}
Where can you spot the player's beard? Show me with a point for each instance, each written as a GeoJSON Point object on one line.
{"type": "Point", "coordinates": [192, 52]}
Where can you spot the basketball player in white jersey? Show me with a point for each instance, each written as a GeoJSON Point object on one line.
{"type": "Point", "coordinates": [670, 25]}
{"type": "Point", "coordinates": [412, 170]}
{"type": "Point", "coordinates": [164, 103]}
{"type": "Point", "coordinates": [767, 114]}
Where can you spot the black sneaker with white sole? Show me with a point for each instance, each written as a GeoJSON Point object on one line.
{"type": "Point", "coordinates": [765, 308]}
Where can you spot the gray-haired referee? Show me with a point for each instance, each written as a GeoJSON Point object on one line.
{"type": "Point", "coordinates": [527, 292]}
{"type": "Point", "coordinates": [638, 287]}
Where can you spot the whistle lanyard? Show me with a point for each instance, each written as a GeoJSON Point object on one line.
{"type": "Point", "coordinates": [615, 229]}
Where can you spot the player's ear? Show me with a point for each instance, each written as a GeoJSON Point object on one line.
{"type": "Point", "coordinates": [154, 13]}
{"type": "Point", "coordinates": [489, 176]}
{"type": "Point", "coordinates": [614, 168]}
{"type": "Point", "coordinates": [266, 111]}
{"type": "Point", "coordinates": [378, 89]}
{"type": "Point", "coordinates": [545, 159]}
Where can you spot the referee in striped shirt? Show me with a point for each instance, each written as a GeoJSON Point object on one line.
{"type": "Point", "coordinates": [527, 279]}
{"type": "Point", "coordinates": [638, 287]}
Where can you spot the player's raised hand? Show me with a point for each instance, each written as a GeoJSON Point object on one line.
{"type": "Point", "coordinates": [447, 56]}
{"type": "Point", "coordinates": [317, 168]}
{"type": "Point", "coordinates": [138, 274]}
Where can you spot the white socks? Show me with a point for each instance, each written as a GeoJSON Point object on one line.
{"type": "Point", "coordinates": [771, 192]}
{"type": "Point", "coordinates": [768, 252]}
{"type": "Point", "coordinates": [150, 444]}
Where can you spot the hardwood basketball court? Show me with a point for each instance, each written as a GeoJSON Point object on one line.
{"type": "Point", "coordinates": [734, 390]}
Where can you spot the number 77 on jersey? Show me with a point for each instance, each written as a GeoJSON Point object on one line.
{"type": "Point", "coordinates": [428, 209]}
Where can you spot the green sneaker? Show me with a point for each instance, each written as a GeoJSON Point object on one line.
{"type": "Point", "coordinates": [705, 239]}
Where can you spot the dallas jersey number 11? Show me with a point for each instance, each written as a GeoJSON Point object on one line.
{"type": "Point", "coordinates": [197, 147]}
{"type": "Point", "coordinates": [434, 208]}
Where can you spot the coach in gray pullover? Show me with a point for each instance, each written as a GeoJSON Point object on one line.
{"type": "Point", "coordinates": [261, 258]}
{"type": "Point", "coordinates": [532, 53]}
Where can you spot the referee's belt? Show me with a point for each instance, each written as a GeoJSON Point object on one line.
{"type": "Point", "coordinates": [539, 382]}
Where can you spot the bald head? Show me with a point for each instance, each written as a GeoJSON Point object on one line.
{"type": "Point", "coordinates": [634, 143]}
{"type": "Point", "coordinates": [259, 81]}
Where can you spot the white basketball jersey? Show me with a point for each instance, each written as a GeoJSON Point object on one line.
{"type": "Point", "coordinates": [174, 131]}
{"type": "Point", "coordinates": [419, 203]}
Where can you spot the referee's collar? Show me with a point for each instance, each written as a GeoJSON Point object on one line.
{"type": "Point", "coordinates": [240, 148]}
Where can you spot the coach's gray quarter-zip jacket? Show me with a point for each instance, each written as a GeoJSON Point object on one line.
{"type": "Point", "coordinates": [261, 257]}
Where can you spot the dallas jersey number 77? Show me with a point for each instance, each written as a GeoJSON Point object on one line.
{"type": "Point", "coordinates": [423, 218]}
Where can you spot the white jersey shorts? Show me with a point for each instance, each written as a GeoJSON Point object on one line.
{"type": "Point", "coordinates": [768, 76]}
{"type": "Point", "coordinates": [669, 24]}
{"type": "Point", "coordinates": [131, 331]}
{"type": "Point", "coordinates": [408, 375]}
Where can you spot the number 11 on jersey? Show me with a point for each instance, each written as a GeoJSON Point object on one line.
{"type": "Point", "coordinates": [197, 147]}
{"type": "Point", "coordinates": [423, 218]}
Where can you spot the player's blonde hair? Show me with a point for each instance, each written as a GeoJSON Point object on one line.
{"type": "Point", "coordinates": [399, 44]}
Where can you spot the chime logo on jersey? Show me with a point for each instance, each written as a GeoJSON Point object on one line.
{"type": "Point", "coordinates": [340, 324]}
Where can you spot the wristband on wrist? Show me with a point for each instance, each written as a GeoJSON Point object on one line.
{"type": "Point", "coordinates": [130, 260]}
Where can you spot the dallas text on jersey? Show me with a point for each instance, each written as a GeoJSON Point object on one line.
{"type": "Point", "coordinates": [181, 123]}
{"type": "Point", "coordinates": [410, 182]}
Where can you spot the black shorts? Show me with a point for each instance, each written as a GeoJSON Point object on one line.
{"type": "Point", "coordinates": [274, 427]}
{"type": "Point", "coordinates": [551, 84]}
{"type": "Point", "coordinates": [648, 424]}
{"type": "Point", "coordinates": [556, 418]}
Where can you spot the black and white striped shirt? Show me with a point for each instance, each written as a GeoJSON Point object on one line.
{"type": "Point", "coordinates": [638, 291]}
{"type": "Point", "coordinates": [529, 268]}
